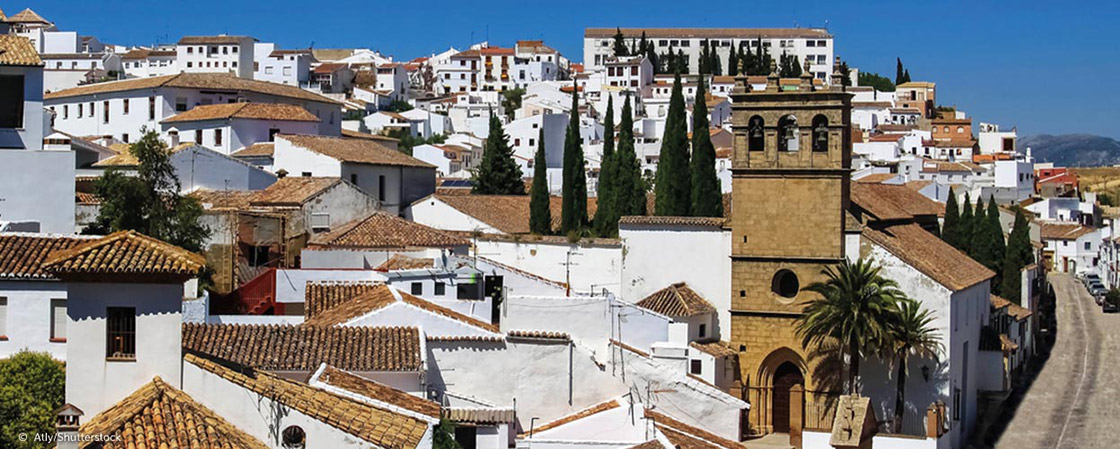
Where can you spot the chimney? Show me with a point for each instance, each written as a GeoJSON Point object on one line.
{"type": "Point", "coordinates": [174, 135]}
{"type": "Point", "coordinates": [66, 426]}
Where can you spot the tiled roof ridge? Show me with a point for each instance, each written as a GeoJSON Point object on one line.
{"type": "Point", "coordinates": [883, 238]}
{"type": "Point", "coordinates": [191, 262]}
{"type": "Point", "coordinates": [677, 299]}
{"type": "Point", "coordinates": [540, 334]}
{"type": "Point", "coordinates": [446, 312]}
{"type": "Point", "coordinates": [348, 415]}
{"type": "Point", "coordinates": [522, 272]}
{"type": "Point", "coordinates": [376, 391]}
{"type": "Point", "coordinates": [576, 416]}
{"type": "Point", "coordinates": [667, 421]}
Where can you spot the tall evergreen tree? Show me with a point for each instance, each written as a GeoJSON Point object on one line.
{"type": "Point", "coordinates": [846, 72]}
{"type": "Point", "coordinates": [995, 247]}
{"type": "Point", "coordinates": [733, 62]}
{"type": "Point", "coordinates": [498, 173]}
{"type": "Point", "coordinates": [606, 223]}
{"type": "Point", "coordinates": [629, 191]}
{"type": "Point", "coordinates": [951, 229]}
{"type": "Point", "coordinates": [705, 58]}
{"type": "Point", "coordinates": [574, 206]}
{"type": "Point", "coordinates": [643, 43]}
{"type": "Point", "coordinates": [898, 76]}
{"type": "Point", "coordinates": [682, 62]}
{"type": "Point", "coordinates": [979, 235]}
{"type": "Point", "coordinates": [714, 63]}
{"type": "Point", "coordinates": [620, 44]}
{"type": "Point", "coordinates": [1016, 256]}
{"type": "Point", "coordinates": [540, 210]}
{"type": "Point", "coordinates": [673, 192]}
{"type": "Point", "coordinates": [707, 199]}
{"type": "Point", "coordinates": [966, 225]}
{"type": "Point", "coordinates": [906, 76]}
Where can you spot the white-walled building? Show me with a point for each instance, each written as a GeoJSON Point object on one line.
{"type": "Point", "coordinates": [393, 178]}
{"type": "Point", "coordinates": [227, 128]}
{"type": "Point", "coordinates": [120, 109]}
{"type": "Point", "coordinates": [290, 67]}
{"type": "Point", "coordinates": [215, 54]}
{"type": "Point", "coordinates": [145, 62]}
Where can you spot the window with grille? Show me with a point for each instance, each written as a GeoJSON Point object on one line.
{"type": "Point", "coordinates": [320, 221]}
{"type": "Point", "coordinates": [3, 316]}
{"type": "Point", "coordinates": [120, 333]}
{"type": "Point", "coordinates": [11, 101]}
{"type": "Point", "coordinates": [58, 320]}
{"type": "Point", "coordinates": [696, 368]}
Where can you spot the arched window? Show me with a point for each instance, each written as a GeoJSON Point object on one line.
{"type": "Point", "coordinates": [785, 284]}
{"type": "Point", "coordinates": [788, 136]}
{"type": "Point", "coordinates": [756, 140]}
{"type": "Point", "coordinates": [293, 437]}
{"type": "Point", "coordinates": [820, 133]}
{"type": "Point", "coordinates": [960, 130]}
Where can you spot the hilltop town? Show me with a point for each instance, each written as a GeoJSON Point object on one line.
{"type": "Point", "coordinates": [682, 238]}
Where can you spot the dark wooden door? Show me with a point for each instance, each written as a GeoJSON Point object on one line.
{"type": "Point", "coordinates": [785, 378]}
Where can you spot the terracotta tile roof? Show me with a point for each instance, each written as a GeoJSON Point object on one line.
{"type": "Point", "coordinates": [217, 40]}
{"type": "Point", "coordinates": [328, 67]}
{"type": "Point", "coordinates": [159, 415]}
{"type": "Point", "coordinates": [917, 185]}
{"type": "Point", "coordinates": [507, 213]}
{"type": "Point", "coordinates": [715, 348]}
{"type": "Point", "coordinates": [221, 81]}
{"type": "Point", "coordinates": [223, 199]}
{"type": "Point", "coordinates": [293, 190]}
{"type": "Point", "coordinates": [876, 178]}
{"type": "Point", "coordinates": [871, 104]}
{"type": "Point", "coordinates": [22, 255]}
{"type": "Point", "coordinates": [480, 415]}
{"type": "Point", "coordinates": [676, 300]}
{"type": "Point", "coordinates": [26, 16]}
{"type": "Point", "coordinates": [538, 334]}
{"type": "Point", "coordinates": [750, 33]}
{"type": "Point", "coordinates": [885, 138]}
{"type": "Point", "coordinates": [893, 202]}
{"type": "Point", "coordinates": [144, 53]}
{"type": "Point", "coordinates": [1063, 231]}
{"type": "Point", "coordinates": [254, 111]}
{"type": "Point", "coordinates": [1014, 310]}
{"type": "Point", "coordinates": [685, 436]}
{"type": "Point", "coordinates": [384, 230]}
{"type": "Point", "coordinates": [360, 151]}
{"type": "Point", "coordinates": [886, 127]}
{"type": "Point", "coordinates": [379, 426]}
{"type": "Point", "coordinates": [930, 255]}
{"type": "Point", "coordinates": [595, 409]}
{"type": "Point", "coordinates": [259, 149]}
{"type": "Point", "coordinates": [86, 198]}
{"type": "Point", "coordinates": [496, 51]}
{"type": "Point", "coordinates": [15, 50]}
{"type": "Point", "coordinates": [403, 262]}
{"type": "Point", "coordinates": [1006, 343]}
{"type": "Point", "coordinates": [362, 135]}
{"type": "Point", "coordinates": [954, 143]}
{"type": "Point", "coordinates": [303, 348]}
{"type": "Point", "coordinates": [377, 391]}
{"type": "Point", "coordinates": [123, 159]}
{"type": "Point", "coordinates": [127, 254]}
{"type": "Point", "coordinates": [335, 304]}
{"type": "Point", "coordinates": [629, 348]}
{"type": "Point", "coordinates": [523, 273]}
{"type": "Point", "coordinates": [651, 444]}
{"type": "Point", "coordinates": [653, 220]}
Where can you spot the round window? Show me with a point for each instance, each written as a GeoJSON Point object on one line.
{"type": "Point", "coordinates": [293, 437]}
{"type": "Point", "coordinates": [785, 284]}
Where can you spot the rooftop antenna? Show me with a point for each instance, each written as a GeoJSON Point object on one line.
{"type": "Point", "coordinates": [826, 24]}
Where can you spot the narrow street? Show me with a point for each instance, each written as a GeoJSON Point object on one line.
{"type": "Point", "coordinates": [1074, 401]}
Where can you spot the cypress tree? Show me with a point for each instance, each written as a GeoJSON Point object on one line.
{"type": "Point", "coordinates": [847, 73]}
{"type": "Point", "coordinates": [1016, 256]}
{"type": "Point", "coordinates": [574, 212]}
{"type": "Point", "coordinates": [672, 192]}
{"type": "Point", "coordinates": [950, 230]}
{"type": "Point", "coordinates": [906, 76]}
{"type": "Point", "coordinates": [629, 191]}
{"type": "Point", "coordinates": [682, 62]}
{"type": "Point", "coordinates": [996, 248]}
{"type": "Point", "coordinates": [540, 212]}
{"type": "Point", "coordinates": [714, 64]}
{"type": "Point", "coordinates": [733, 62]}
{"type": "Point", "coordinates": [642, 43]}
{"type": "Point", "coordinates": [966, 225]}
{"type": "Point", "coordinates": [898, 78]}
{"type": "Point", "coordinates": [707, 199]}
{"type": "Point", "coordinates": [979, 235]}
{"type": "Point", "coordinates": [620, 43]}
{"type": "Point", "coordinates": [705, 58]}
{"type": "Point", "coordinates": [605, 222]}
{"type": "Point", "coordinates": [498, 173]}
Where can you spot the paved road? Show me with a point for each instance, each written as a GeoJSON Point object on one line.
{"type": "Point", "coordinates": [1075, 400]}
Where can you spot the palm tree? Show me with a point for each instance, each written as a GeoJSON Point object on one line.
{"type": "Point", "coordinates": [856, 307]}
{"type": "Point", "coordinates": [913, 336]}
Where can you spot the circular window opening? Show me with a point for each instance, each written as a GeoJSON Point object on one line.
{"type": "Point", "coordinates": [293, 437]}
{"type": "Point", "coordinates": [785, 284]}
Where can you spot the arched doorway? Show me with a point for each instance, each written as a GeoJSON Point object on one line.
{"type": "Point", "coordinates": [785, 377]}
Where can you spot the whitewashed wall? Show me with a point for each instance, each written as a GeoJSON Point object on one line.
{"type": "Point", "coordinates": [28, 321]}
{"type": "Point", "coordinates": [38, 186]}
{"type": "Point", "coordinates": [593, 268]}
{"type": "Point", "coordinates": [291, 284]}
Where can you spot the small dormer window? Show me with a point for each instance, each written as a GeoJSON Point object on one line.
{"type": "Point", "coordinates": [293, 437]}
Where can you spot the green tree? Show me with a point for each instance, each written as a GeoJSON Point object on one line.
{"type": "Point", "coordinates": [682, 62]}
{"type": "Point", "coordinates": [540, 211]}
{"type": "Point", "coordinates": [950, 230]}
{"type": "Point", "coordinates": [573, 216]}
{"type": "Point", "coordinates": [846, 73]}
{"type": "Point", "coordinates": [498, 173]}
{"type": "Point", "coordinates": [511, 100]}
{"type": "Point", "coordinates": [704, 59]}
{"type": "Point", "coordinates": [898, 72]}
{"type": "Point", "coordinates": [32, 387]}
{"type": "Point", "coordinates": [399, 106]}
{"type": "Point", "coordinates": [995, 248]}
{"type": "Point", "coordinates": [1017, 255]}
{"type": "Point", "coordinates": [606, 221]}
{"type": "Point", "coordinates": [672, 191]}
{"type": "Point", "coordinates": [714, 63]}
{"type": "Point", "coordinates": [912, 335]}
{"type": "Point", "coordinates": [149, 202]}
{"type": "Point", "coordinates": [630, 188]}
{"type": "Point", "coordinates": [966, 225]}
{"type": "Point", "coordinates": [707, 198]}
{"type": "Point", "coordinates": [733, 62]}
{"type": "Point", "coordinates": [977, 247]}
{"type": "Point", "coordinates": [856, 307]}
{"type": "Point", "coordinates": [443, 436]}
{"type": "Point", "coordinates": [879, 82]}
{"type": "Point", "coordinates": [620, 44]}
{"type": "Point", "coordinates": [906, 76]}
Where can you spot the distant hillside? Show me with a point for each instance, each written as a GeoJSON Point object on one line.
{"type": "Point", "coordinates": [1073, 150]}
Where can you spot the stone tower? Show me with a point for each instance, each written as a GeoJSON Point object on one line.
{"type": "Point", "coordinates": [790, 181]}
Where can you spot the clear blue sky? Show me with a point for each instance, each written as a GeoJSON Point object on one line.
{"type": "Point", "coordinates": [1046, 67]}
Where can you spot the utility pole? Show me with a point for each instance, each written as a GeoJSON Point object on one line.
{"type": "Point", "coordinates": [568, 271]}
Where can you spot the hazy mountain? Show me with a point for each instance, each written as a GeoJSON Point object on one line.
{"type": "Point", "coordinates": [1075, 150]}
